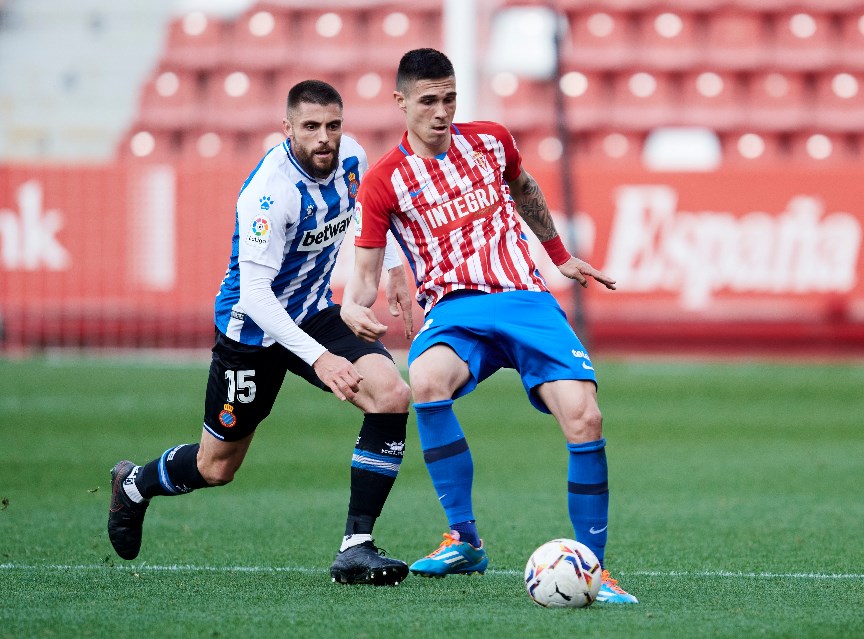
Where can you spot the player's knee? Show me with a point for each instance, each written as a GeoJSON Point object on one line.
{"type": "Point", "coordinates": [584, 426]}
{"type": "Point", "coordinates": [397, 398]}
{"type": "Point", "coordinates": [429, 388]}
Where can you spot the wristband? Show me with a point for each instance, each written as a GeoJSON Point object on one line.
{"type": "Point", "coordinates": [556, 250]}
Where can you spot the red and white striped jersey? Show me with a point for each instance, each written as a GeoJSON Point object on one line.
{"type": "Point", "coordinates": [452, 214]}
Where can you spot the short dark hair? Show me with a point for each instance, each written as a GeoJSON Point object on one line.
{"type": "Point", "coordinates": [422, 64]}
{"type": "Point", "coordinates": [314, 92]}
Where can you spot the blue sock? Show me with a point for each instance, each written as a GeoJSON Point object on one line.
{"type": "Point", "coordinates": [449, 463]}
{"type": "Point", "coordinates": [467, 532]}
{"type": "Point", "coordinates": [588, 494]}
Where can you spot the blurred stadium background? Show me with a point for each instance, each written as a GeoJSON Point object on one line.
{"type": "Point", "coordinates": [706, 153]}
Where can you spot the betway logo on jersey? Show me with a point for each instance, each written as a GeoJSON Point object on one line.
{"type": "Point", "coordinates": [655, 247]}
{"type": "Point", "coordinates": [445, 217]}
{"type": "Point", "coordinates": [324, 235]}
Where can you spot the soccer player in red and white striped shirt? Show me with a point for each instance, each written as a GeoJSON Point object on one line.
{"type": "Point", "coordinates": [453, 194]}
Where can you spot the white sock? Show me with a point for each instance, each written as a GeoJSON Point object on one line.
{"type": "Point", "coordinates": [130, 487]}
{"type": "Point", "coordinates": [353, 540]}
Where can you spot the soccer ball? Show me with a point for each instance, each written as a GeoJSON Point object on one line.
{"type": "Point", "coordinates": [563, 573]}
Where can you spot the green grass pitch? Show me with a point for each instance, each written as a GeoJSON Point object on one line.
{"type": "Point", "coordinates": [737, 508]}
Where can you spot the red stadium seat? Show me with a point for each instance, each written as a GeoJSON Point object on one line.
{"type": "Point", "coordinates": [713, 99]}
{"type": "Point", "coordinates": [369, 104]}
{"type": "Point", "coordinates": [770, 6]}
{"type": "Point", "coordinates": [397, 29]}
{"type": "Point", "coordinates": [669, 39]}
{"type": "Point", "coordinates": [205, 147]}
{"type": "Point", "coordinates": [196, 40]}
{"type": "Point", "coordinates": [146, 144]}
{"type": "Point", "coordinates": [524, 104]}
{"type": "Point", "coordinates": [804, 41]}
{"type": "Point", "coordinates": [331, 40]}
{"type": "Point", "coordinates": [821, 149]}
{"type": "Point", "coordinates": [777, 101]}
{"type": "Point", "coordinates": [587, 97]}
{"type": "Point", "coordinates": [621, 149]}
{"type": "Point", "coordinates": [242, 101]}
{"type": "Point", "coordinates": [852, 40]}
{"type": "Point", "coordinates": [737, 39]}
{"type": "Point", "coordinates": [600, 40]}
{"type": "Point", "coordinates": [643, 100]}
{"type": "Point", "coordinates": [839, 98]}
{"type": "Point", "coordinates": [754, 149]}
{"type": "Point", "coordinates": [172, 98]}
{"type": "Point", "coordinates": [264, 38]}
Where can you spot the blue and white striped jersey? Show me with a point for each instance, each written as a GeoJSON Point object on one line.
{"type": "Point", "coordinates": [290, 221]}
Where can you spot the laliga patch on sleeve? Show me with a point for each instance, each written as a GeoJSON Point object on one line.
{"type": "Point", "coordinates": [258, 233]}
{"type": "Point", "coordinates": [358, 219]}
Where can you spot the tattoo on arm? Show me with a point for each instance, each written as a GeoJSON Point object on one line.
{"type": "Point", "coordinates": [533, 208]}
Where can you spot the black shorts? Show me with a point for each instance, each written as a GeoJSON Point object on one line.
{"type": "Point", "coordinates": [245, 380]}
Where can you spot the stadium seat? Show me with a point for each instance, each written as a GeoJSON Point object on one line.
{"type": "Point", "coordinates": [839, 101]}
{"type": "Point", "coordinates": [669, 39]}
{"type": "Point", "coordinates": [750, 149]}
{"type": "Point", "coordinates": [600, 40]}
{"type": "Point", "coordinates": [777, 101]}
{"type": "Point", "coordinates": [821, 149]}
{"type": "Point", "coordinates": [804, 41]}
{"type": "Point", "coordinates": [540, 146]}
{"type": "Point", "coordinates": [196, 40]}
{"type": "Point", "coordinates": [172, 98]}
{"type": "Point", "coordinates": [369, 102]}
{"type": "Point", "coordinates": [395, 29]}
{"type": "Point", "coordinates": [332, 40]}
{"type": "Point", "coordinates": [587, 98]}
{"type": "Point", "coordinates": [710, 98]}
{"type": "Point", "coordinates": [611, 5]}
{"type": "Point", "coordinates": [242, 101]}
{"type": "Point", "coordinates": [642, 100]}
{"type": "Point", "coordinates": [852, 40]}
{"type": "Point", "coordinates": [737, 39]}
{"type": "Point", "coordinates": [264, 38]}
{"type": "Point", "coordinates": [205, 147]}
{"type": "Point", "coordinates": [618, 148]}
{"type": "Point", "coordinates": [144, 144]}
{"type": "Point", "coordinates": [770, 6]}
{"type": "Point", "coordinates": [524, 104]}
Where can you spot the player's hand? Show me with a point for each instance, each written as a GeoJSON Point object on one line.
{"type": "Point", "coordinates": [579, 270]}
{"type": "Point", "coordinates": [362, 322]}
{"type": "Point", "coordinates": [399, 299]}
{"type": "Point", "coordinates": [339, 374]}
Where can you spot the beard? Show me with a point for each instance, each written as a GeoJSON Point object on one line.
{"type": "Point", "coordinates": [313, 164]}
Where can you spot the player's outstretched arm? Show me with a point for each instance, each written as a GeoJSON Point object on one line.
{"type": "Point", "coordinates": [532, 206]}
{"type": "Point", "coordinates": [360, 293]}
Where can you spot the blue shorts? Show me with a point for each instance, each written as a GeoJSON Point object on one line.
{"type": "Point", "coordinates": [523, 330]}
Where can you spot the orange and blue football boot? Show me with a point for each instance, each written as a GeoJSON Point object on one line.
{"type": "Point", "coordinates": [452, 557]}
{"type": "Point", "coordinates": [611, 592]}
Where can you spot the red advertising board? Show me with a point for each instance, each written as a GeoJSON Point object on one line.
{"type": "Point", "coordinates": [133, 255]}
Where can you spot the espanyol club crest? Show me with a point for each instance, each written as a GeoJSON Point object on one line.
{"type": "Point", "coordinates": [353, 185]}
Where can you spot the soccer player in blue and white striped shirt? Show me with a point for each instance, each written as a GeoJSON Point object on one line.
{"type": "Point", "coordinates": [274, 314]}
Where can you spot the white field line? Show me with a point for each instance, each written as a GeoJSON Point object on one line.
{"type": "Point", "coordinates": [709, 574]}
